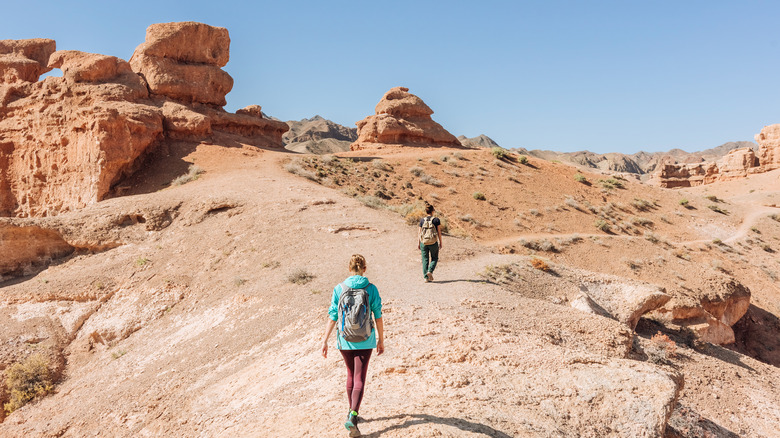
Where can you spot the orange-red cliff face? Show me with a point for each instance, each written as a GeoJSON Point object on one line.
{"type": "Point", "coordinates": [65, 141]}
{"type": "Point", "coordinates": [738, 163]}
{"type": "Point", "coordinates": [402, 119]}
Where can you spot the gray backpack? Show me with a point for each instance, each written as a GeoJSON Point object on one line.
{"type": "Point", "coordinates": [355, 322]}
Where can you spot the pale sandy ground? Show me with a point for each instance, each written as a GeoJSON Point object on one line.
{"type": "Point", "coordinates": [213, 340]}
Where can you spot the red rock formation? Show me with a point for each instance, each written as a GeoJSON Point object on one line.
{"type": "Point", "coordinates": [24, 60]}
{"type": "Point", "coordinates": [23, 247]}
{"type": "Point", "coordinates": [65, 141]}
{"type": "Point", "coordinates": [738, 163]}
{"type": "Point", "coordinates": [686, 175]}
{"type": "Point", "coordinates": [769, 147]}
{"type": "Point", "coordinates": [401, 119]}
{"type": "Point", "coordinates": [182, 61]}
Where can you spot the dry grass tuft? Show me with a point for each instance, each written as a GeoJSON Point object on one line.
{"type": "Point", "coordinates": [193, 173]}
{"type": "Point", "coordinates": [27, 381]}
{"type": "Point", "coordinates": [300, 276]}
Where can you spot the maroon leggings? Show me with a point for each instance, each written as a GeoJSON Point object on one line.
{"type": "Point", "coordinates": [357, 367]}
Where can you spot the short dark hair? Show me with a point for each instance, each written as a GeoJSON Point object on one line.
{"type": "Point", "coordinates": [428, 208]}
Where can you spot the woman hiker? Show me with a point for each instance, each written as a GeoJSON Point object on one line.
{"type": "Point", "coordinates": [429, 242]}
{"type": "Point", "coordinates": [354, 301]}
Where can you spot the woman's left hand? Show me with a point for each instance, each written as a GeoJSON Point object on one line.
{"type": "Point", "coordinates": [380, 346]}
{"type": "Point", "coordinates": [325, 349]}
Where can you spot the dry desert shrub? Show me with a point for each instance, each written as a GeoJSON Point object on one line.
{"type": "Point", "coordinates": [296, 169]}
{"type": "Point", "coordinates": [602, 225]}
{"type": "Point", "coordinates": [775, 217]}
{"type": "Point", "coordinates": [540, 264]}
{"type": "Point", "coordinates": [661, 349]}
{"type": "Point", "coordinates": [27, 381]}
{"type": "Point", "coordinates": [416, 171]}
{"type": "Point", "coordinates": [300, 276]}
{"type": "Point", "coordinates": [193, 173]}
{"type": "Point", "coordinates": [539, 245]}
{"type": "Point", "coordinates": [717, 209]}
{"type": "Point", "coordinates": [427, 179]}
{"type": "Point", "coordinates": [571, 202]}
{"type": "Point", "coordinates": [381, 165]}
{"type": "Point", "coordinates": [372, 202]}
{"type": "Point", "coordinates": [522, 159]}
{"type": "Point", "coordinates": [411, 212]}
{"type": "Point", "coordinates": [580, 178]}
{"type": "Point", "coordinates": [479, 196]}
{"type": "Point", "coordinates": [651, 237]}
{"type": "Point", "coordinates": [641, 204]}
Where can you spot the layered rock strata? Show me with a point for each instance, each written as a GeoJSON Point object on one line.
{"type": "Point", "coordinates": [65, 141]}
{"type": "Point", "coordinates": [402, 119]}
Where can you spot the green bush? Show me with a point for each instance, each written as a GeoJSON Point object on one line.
{"type": "Point", "coordinates": [499, 152]}
{"type": "Point", "coordinates": [602, 225]}
{"type": "Point", "coordinates": [522, 159]}
{"type": "Point", "coordinates": [27, 381]}
{"type": "Point", "coordinates": [580, 178]}
{"type": "Point", "coordinates": [684, 202]}
{"type": "Point", "coordinates": [479, 196]}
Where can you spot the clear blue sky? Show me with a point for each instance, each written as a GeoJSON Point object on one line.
{"type": "Point", "coordinates": [617, 76]}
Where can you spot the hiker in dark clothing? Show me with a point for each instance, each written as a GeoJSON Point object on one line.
{"type": "Point", "coordinates": [429, 241]}
{"type": "Point", "coordinates": [353, 303]}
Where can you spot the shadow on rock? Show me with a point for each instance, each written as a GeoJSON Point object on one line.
{"type": "Point", "coordinates": [757, 334]}
{"type": "Point", "coordinates": [687, 423]}
{"type": "Point", "coordinates": [420, 419]}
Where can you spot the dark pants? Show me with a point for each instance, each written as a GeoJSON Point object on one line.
{"type": "Point", "coordinates": [357, 367]}
{"type": "Point", "coordinates": [433, 252]}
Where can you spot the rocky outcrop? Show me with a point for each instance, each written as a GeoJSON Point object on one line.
{"type": "Point", "coordinates": [24, 60]}
{"type": "Point", "coordinates": [686, 175]}
{"type": "Point", "coordinates": [402, 119]}
{"type": "Point", "coordinates": [769, 147]}
{"type": "Point", "coordinates": [711, 311]}
{"type": "Point", "coordinates": [622, 300]}
{"type": "Point", "coordinates": [737, 163]}
{"type": "Point", "coordinates": [182, 61]}
{"type": "Point", "coordinates": [65, 141]}
{"type": "Point", "coordinates": [23, 248]}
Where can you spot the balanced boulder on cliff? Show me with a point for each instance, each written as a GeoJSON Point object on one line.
{"type": "Point", "coordinates": [65, 142]}
{"type": "Point", "coordinates": [402, 119]}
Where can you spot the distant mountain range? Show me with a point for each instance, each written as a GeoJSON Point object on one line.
{"type": "Point", "coordinates": [641, 162]}
{"type": "Point", "coordinates": [319, 135]}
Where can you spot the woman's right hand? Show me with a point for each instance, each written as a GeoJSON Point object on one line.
{"type": "Point", "coordinates": [325, 348]}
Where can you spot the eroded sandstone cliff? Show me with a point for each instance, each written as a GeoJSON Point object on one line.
{"type": "Point", "coordinates": [65, 141]}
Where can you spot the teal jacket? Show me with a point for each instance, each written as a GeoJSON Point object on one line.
{"type": "Point", "coordinates": [374, 300]}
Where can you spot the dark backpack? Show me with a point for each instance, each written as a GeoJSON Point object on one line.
{"type": "Point", "coordinates": [355, 322]}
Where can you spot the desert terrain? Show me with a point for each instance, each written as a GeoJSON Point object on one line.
{"type": "Point", "coordinates": [186, 293]}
